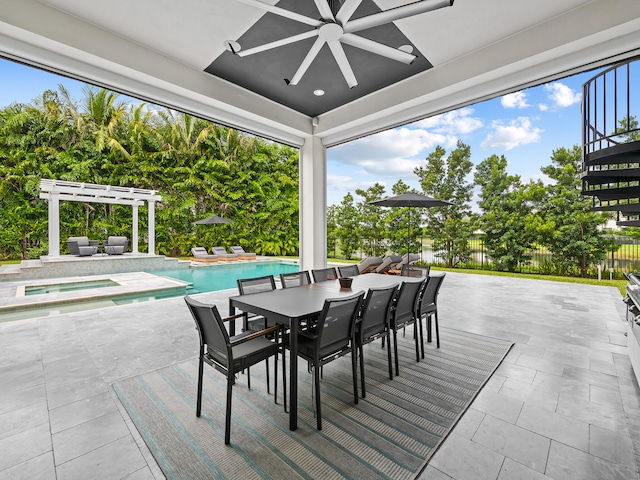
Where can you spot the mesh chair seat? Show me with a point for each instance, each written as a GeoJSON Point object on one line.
{"type": "Point", "coordinates": [324, 274]}
{"type": "Point", "coordinates": [295, 279]}
{"type": "Point", "coordinates": [348, 271]}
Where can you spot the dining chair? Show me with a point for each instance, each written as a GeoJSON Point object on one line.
{"type": "Point", "coordinates": [231, 355]}
{"type": "Point", "coordinates": [333, 337]}
{"type": "Point", "coordinates": [405, 313]}
{"type": "Point", "coordinates": [247, 286]}
{"type": "Point", "coordinates": [348, 271]}
{"type": "Point", "coordinates": [373, 324]}
{"type": "Point", "coordinates": [415, 270]}
{"type": "Point", "coordinates": [295, 279]}
{"type": "Point", "coordinates": [429, 305]}
{"type": "Point", "coordinates": [323, 274]}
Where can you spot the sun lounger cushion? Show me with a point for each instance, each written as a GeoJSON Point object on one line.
{"type": "Point", "coordinates": [369, 264]}
{"type": "Point", "coordinates": [238, 250]}
{"type": "Point", "coordinates": [387, 263]}
{"type": "Point", "coordinates": [222, 253]}
{"type": "Point", "coordinates": [200, 254]}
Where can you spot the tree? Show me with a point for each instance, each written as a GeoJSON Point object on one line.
{"type": "Point", "coordinates": [404, 223]}
{"type": "Point", "coordinates": [571, 230]}
{"type": "Point", "coordinates": [446, 179]}
{"type": "Point", "coordinates": [506, 218]}
{"type": "Point", "coordinates": [348, 228]}
{"type": "Point", "coordinates": [372, 226]}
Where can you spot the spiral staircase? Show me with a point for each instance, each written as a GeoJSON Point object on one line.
{"type": "Point", "coordinates": [611, 141]}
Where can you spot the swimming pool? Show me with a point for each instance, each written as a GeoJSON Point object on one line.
{"type": "Point", "coordinates": [222, 277]}
{"type": "Point", "coordinates": [201, 279]}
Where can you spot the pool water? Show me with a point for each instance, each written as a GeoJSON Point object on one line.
{"type": "Point", "coordinates": [223, 277]}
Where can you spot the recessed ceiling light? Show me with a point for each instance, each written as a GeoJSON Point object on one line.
{"type": "Point", "coordinates": [318, 93]}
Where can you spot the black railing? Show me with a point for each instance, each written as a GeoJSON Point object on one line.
{"type": "Point", "coordinates": [608, 111]}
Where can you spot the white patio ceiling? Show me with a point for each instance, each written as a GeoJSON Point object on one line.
{"type": "Point", "coordinates": [159, 50]}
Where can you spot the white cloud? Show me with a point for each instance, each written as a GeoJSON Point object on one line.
{"type": "Point", "coordinates": [456, 122]}
{"type": "Point", "coordinates": [515, 100]}
{"type": "Point", "coordinates": [543, 107]}
{"type": "Point", "coordinates": [518, 132]}
{"type": "Point", "coordinates": [392, 153]}
{"type": "Point", "coordinates": [562, 95]}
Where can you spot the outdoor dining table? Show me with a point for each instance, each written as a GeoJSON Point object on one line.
{"type": "Point", "coordinates": [290, 305]}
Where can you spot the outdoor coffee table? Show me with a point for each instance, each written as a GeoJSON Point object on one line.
{"type": "Point", "coordinates": [289, 306]}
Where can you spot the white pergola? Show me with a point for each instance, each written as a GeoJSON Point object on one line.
{"type": "Point", "coordinates": [55, 190]}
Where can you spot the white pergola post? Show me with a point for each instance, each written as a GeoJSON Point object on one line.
{"type": "Point", "coordinates": [313, 204]}
{"type": "Point", "coordinates": [152, 227]}
{"type": "Point", "coordinates": [134, 227]}
{"type": "Point", "coordinates": [54, 225]}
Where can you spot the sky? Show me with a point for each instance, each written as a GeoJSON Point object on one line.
{"type": "Point", "coordinates": [524, 126]}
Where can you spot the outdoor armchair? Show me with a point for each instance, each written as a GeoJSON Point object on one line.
{"type": "Point", "coordinates": [231, 355]}
{"type": "Point", "coordinates": [242, 255]}
{"type": "Point", "coordinates": [116, 245]}
{"type": "Point", "coordinates": [82, 246]}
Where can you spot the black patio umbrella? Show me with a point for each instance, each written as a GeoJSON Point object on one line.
{"type": "Point", "coordinates": [212, 220]}
{"type": "Point", "coordinates": [410, 200]}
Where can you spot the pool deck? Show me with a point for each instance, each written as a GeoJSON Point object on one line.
{"type": "Point", "coordinates": [564, 404]}
{"type": "Point", "coordinates": [12, 294]}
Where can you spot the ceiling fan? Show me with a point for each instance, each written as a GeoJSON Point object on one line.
{"type": "Point", "coordinates": [336, 28]}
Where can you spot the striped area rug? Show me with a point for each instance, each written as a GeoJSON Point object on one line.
{"type": "Point", "coordinates": [391, 434]}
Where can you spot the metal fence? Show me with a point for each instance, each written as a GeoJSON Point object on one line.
{"type": "Point", "coordinates": [625, 259]}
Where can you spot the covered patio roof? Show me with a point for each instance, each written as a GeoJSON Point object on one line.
{"type": "Point", "coordinates": [188, 55]}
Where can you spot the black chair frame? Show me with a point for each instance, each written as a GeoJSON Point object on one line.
{"type": "Point", "coordinates": [231, 355]}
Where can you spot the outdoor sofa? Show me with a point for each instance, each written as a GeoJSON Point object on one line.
{"type": "Point", "coordinates": [116, 245]}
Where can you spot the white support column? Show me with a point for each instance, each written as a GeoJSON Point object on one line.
{"type": "Point", "coordinates": [313, 204]}
{"type": "Point", "coordinates": [134, 227]}
{"type": "Point", "coordinates": [152, 227]}
{"type": "Point", "coordinates": [54, 225]}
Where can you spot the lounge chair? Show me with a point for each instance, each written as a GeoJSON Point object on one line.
{"type": "Point", "coordinates": [200, 255]}
{"type": "Point", "coordinates": [223, 254]}
{"type": "Point", "coordinates": [369, 264]}
{"type": "Point", "coordinates": [82, 246]}
{"type": "Point", "coordinates": [388, 263]}
{"type": "Point", "coordinates": [407, 259]}
{"type": "Point", "coordinates": [242, 255]}
{"type": "Point", "coordinates": [115, 245]}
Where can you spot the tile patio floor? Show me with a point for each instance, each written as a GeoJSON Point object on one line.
{"type": "Point", "coordinates": [563, 405]}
